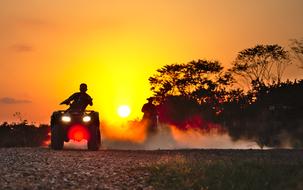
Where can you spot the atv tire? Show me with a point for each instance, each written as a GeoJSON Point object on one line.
{"type": "Point", "coordinates": [94, 141]}
{"type": "Point", "coordinates": [57, 141]}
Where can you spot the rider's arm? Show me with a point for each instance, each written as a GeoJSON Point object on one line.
{"type": "Point", "coordinates": [68, 100]}
{"type": "Point", "coordinates": [90, 102]}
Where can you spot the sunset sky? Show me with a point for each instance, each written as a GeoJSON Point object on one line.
{"type": "Point", "coordinates": [49, 47]}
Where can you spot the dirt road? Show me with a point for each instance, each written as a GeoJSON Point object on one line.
{"type": "Point", "coordinates": [42, 168]}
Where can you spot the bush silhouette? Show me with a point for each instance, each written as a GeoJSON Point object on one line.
{"type": "Point", "coordinates": [23, 135]}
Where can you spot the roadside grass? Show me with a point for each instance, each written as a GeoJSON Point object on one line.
{"type": "Point", "coordinates": [227, 175]}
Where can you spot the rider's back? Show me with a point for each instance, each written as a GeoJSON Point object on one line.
{"type": "Point", "coordinates": [80, 101]}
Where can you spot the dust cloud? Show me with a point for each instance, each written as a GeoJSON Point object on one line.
{"type": "Point", "coordinates": [170, 137]}
{"type": "Point", "coordinates": [136, 136]}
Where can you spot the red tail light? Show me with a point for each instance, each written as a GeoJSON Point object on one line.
{"type": "Point", "coordinates": [78, 133]}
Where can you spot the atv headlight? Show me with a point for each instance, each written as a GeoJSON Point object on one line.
{"type": "Point", "coordinates": [66, 118]}
{"type": "Point", "coordinates": [86, 118]}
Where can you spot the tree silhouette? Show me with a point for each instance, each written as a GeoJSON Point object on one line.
{"type": "Point", "coordinates": [201, 80]}
{"type": "Point", "coordinates": [273, 119]}
{"type": "Point", "coordinates": [297, 47]}
{"type": "Point", "coordinates": [262, 64]}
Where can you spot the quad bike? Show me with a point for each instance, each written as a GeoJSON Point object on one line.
{"type": "Point", "coordinates": [75, 125]}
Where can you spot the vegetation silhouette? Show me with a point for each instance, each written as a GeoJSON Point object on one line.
{"type": "Point", "coordinates": [270, 116]}
{"type": "Point", "coordinates": [297, 48]}
{"type": "Point", "coordinates": [261, 64]}
{"type": "Point", "coordinates": [22, 134]}
{"type": "Point", "coordinates": [201, 94]}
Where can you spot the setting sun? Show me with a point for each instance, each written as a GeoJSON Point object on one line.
{"type": "Point", "coordinates": [123, 111]}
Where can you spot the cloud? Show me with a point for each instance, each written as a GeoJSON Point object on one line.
{"type": "Point", "coordinates": [22, 48]}
{"type": "Point", "coordinates": [9, 100]}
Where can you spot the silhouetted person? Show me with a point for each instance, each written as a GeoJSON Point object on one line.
{"type": "Point", "coordinates": [79, 100]}
{"type": "Point", "coordinates": [150, 114]}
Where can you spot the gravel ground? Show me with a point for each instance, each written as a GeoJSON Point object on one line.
{"type": "Point", "coordinates": [42, 168]}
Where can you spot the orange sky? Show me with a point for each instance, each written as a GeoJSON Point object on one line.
{"type": "Point", "coordinates": [49, 47]}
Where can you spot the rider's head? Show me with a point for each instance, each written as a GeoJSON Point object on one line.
{"type": "Point", "coordinates": [83, 87]}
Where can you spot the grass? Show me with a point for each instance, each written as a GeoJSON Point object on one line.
{"type": "Point", "coordinates": [227, 175]}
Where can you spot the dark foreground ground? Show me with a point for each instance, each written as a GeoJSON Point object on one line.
{"type": "Point", "coordinates": [42, 168]}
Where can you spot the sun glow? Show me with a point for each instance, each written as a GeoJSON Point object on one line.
{"type": "Point", "coordinates": [123, 111]}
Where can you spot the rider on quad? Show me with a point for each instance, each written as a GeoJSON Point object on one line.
{"type": "Point", "coordinates": [76, 123]}
{"type": "Point", "coordinates": [150, 115]}
{"type": "Point", "coordinates": [79, 100]}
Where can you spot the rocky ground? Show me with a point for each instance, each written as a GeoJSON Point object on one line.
{"type": "Point", "coordinates": [42, 168]}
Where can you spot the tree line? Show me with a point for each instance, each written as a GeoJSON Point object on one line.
{"type": "Point", "coordinates": [22, 134]}
{"type": "Point", "coordinates": [250, 100]}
